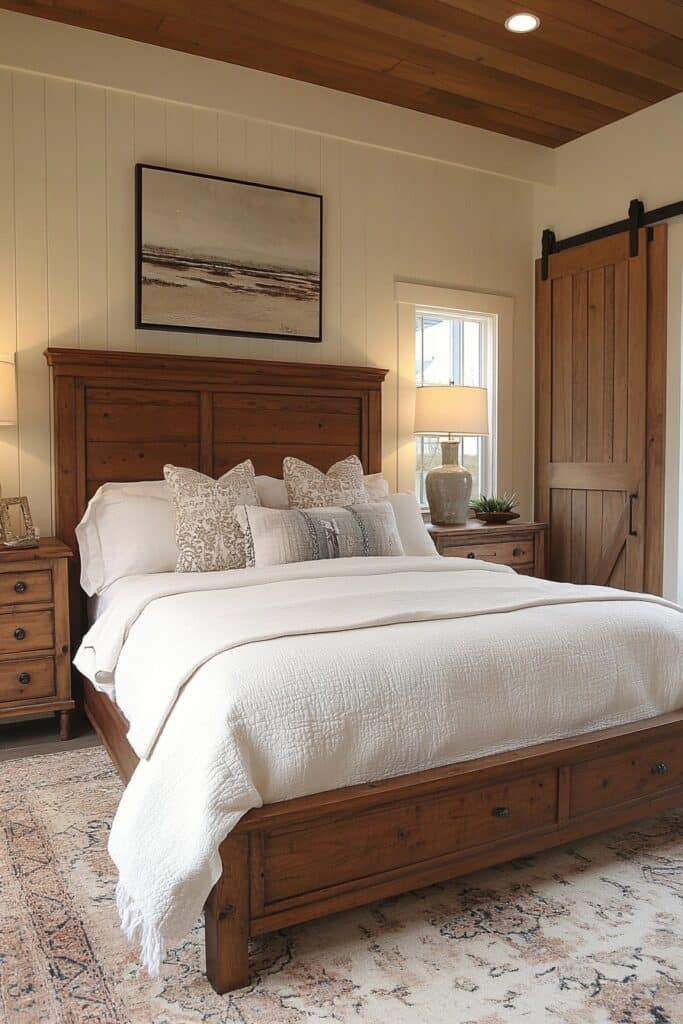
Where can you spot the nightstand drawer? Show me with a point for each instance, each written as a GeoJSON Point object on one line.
{"type": "Point", "coordinates": [27, 679]}
{"type": "Point", "coordinates": [515, 552]}
{"type": "Point", "coordinates": [26, 631]}
{"type": "Point", "coordinates": [26, 587]}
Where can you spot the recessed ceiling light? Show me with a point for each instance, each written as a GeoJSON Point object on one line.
{"type": "Point", "coordinates": [522, 23]}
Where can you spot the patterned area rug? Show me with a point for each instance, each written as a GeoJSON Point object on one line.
{"type": "Point", "coordinates": [590, 933]}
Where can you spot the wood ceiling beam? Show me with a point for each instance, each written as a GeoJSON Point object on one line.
{"type": "Point", "coordinates": [662, 14]}
{"type": "Point", "coordinates": [570, 37]}
{"type": "Point", "coordinates": [444, 41]}
{"type": "Point", "coordinates": [442, 15]}
{"type": "Point", "coordinates": [330, 37]}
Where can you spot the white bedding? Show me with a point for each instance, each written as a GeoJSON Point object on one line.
{"type": "Point", "coordinates": [261, 685]}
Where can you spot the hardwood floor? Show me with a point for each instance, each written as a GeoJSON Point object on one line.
{"type": "Point", "coordinates": [39, 735]}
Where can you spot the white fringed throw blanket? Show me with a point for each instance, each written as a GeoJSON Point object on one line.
{"type": "Point", "coordinates": [261, 685]}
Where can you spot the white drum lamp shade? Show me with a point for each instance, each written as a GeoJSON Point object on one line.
{"type": "Point", "coordinates": [450, 410]}
{"type": "Point", "coordinates": [8, 392]}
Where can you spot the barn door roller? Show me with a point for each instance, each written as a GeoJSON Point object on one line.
{"type": "Point", "coordinates": [637, 218]}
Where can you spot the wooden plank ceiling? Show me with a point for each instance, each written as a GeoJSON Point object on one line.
{"type": "Point", "coordinates": [590, 62]}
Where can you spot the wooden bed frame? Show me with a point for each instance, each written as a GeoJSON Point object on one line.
{"type": "Point", "coordinates": [121, 416]}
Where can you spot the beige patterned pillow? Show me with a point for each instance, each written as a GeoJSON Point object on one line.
{"type": "Point", "coordinates": [279, 536]}
{"type": "Point", "coordinates": [207, 533]}
{"type": "Point", "coordinates": [307, 487]}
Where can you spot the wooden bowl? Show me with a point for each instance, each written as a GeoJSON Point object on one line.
{"type": "Point", "coordinates": [496, 517]}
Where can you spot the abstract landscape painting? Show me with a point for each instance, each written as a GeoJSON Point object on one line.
{"type": "Point", "coordinates": [226, 256]}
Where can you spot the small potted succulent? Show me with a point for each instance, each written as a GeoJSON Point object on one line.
{"type": "Point", "coordinates": [495, 510]}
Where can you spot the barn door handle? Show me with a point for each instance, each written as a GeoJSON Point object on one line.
{"type": "Point", "coordinates": [631, 531]}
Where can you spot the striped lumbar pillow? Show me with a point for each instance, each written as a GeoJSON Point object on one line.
{"type": "Point", "coordinates": [278, 536]}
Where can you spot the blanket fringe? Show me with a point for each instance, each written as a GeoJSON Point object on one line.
{"type": "Point", "coordinates": [136, 929]}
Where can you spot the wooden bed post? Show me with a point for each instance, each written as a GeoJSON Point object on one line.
{"type": "Point", "coordinates": [227, 919]}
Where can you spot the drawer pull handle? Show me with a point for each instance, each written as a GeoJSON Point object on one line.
{"type": "Point", "coordinates": [19, 633]}
{"type": "Point", "coordinates": [471, 554]}
{"type": "Point", "coordinates": [19, 587]}
{"type": "Point", "coordinates": [659, 768]}
{"type": "Point", "coordinates": [501, 812]}
{"type": "Point", "coordinates": [25, 678]}
{"type": "Point", "coordinates": [517, 552]}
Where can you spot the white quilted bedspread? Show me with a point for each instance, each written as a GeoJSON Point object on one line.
{"type": "Point", "coordinates": [260, 685]}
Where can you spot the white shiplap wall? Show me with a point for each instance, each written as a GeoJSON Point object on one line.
{"type": "Point", "coordinates": [67, 152]}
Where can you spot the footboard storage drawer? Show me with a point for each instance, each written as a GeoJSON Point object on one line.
{"type": "Point", "coordinates": [307, 858]}
{"type": "Point", "coordinates": [630, 775]}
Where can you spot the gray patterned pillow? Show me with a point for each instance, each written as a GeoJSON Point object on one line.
{"type": "Point", "coordinates": [307, 487]}
{"type": "Point", "coordinates": [207, 532]}
{"type": "Point", "coordinates": [278, 536]}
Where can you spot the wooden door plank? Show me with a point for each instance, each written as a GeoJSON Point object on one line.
{"type": "Point", "coordinates": [637, 376]}
{"type": "Point", "coordinates": [656, 409]}
{"type": "Point", "coordinates": [579, 366]}
{"type": "Point", "coordinates": [608, 367]}
{"type": "Point", "coordinates": [592, 476]}
{"type": "Point", "coordinates": [594, 503]}
{"type": "Point", "coordinates": [620, 411]}
{"type": "Point", "coordinates": [561, 373]}
{"type": "Point", "coordinates": [578, 536]}
{"type": "Point", "coordinates": [596, 368]}
{"type": "Point", "coordinates": [617, 532]}
{"type": "Point", "coordinates": [543, 382]}
{"type": "Point", "coordinates": [560, 534]}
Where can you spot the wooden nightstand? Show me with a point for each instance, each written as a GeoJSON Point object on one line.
{"type": "Point", "coordinates": [521, 545]}
{"type": "Point", "coordinates": [35, 660]}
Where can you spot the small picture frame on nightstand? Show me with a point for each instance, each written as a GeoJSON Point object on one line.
{"type": "Point", "coordinates": [26, 536]}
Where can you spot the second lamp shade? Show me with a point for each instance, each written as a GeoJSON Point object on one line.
{"type": "Point", "coordinates": [454, 409]}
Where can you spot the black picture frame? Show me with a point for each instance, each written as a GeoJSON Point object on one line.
{"type": "Point", "coordinates": [148, 325]}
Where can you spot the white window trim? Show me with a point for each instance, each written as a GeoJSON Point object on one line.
{"type": "Point", "coordinates": [411, 297]}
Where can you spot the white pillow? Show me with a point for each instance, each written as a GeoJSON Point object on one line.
{"type": "Point", "coordinates": [411, 527]}
{"type": "Point", "coordinates": [127, 529]}
{"type": "Point", "coordinates": [273, 492]}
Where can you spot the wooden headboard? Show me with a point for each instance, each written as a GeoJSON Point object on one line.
{"type": "Point", "coordinates": [122, 415]}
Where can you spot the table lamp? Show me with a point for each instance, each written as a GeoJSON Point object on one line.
{"type": "Point", "coordinates": [454, 409]}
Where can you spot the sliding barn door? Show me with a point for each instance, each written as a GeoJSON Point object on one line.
{"type": "Point", "coordinates": [600, 340]}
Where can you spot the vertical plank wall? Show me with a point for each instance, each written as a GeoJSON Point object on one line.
{"type": "Point", "coordinates": [67, 152]}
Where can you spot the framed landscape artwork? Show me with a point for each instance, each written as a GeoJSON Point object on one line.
{"type": "Point", "coordinates": [227, 257]}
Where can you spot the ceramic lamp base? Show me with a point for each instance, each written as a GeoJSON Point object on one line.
{"type": "Point", "coordinates": [449, 488]}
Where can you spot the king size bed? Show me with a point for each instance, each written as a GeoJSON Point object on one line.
{"type": "Point", "coordinates": [301, 739]}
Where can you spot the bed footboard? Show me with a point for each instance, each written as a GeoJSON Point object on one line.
{"type": "Point", "coordinates": [306, 858]}
{"type": "Point", "coordinates": [301, 859]}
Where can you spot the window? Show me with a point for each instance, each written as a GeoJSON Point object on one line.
{"type": "Point", "coordinates": [453, 347]}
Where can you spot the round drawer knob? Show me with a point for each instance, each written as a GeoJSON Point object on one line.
{"type": "Point", "coordinates": [471, 554]}
{"type": "Point", "coordinates": [19, 633]}
{"type": "Point", "coordinates": [501, 812]}
{"type": "Point", "coordinates": [659, 768]}
{"type": "Point", "coordinates": [25, 678]}
{"type": "Point", "coordinates": [19, 587]}
{"type": "Point", "coordinates": [517, 552]}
